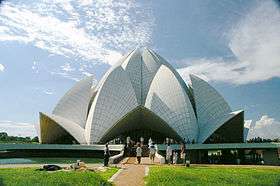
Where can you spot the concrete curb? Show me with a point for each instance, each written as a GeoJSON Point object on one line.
{"type": "Point", "coordinates": [124, 161]}
{"type": "Point", "coordinates": [116, 158]}
{"type": "Point", "coordinates": [147, 170]}
{"type": "Point", "coordinates": [115, 175]}
{"type": "Point", "coordinates": [161, 158]}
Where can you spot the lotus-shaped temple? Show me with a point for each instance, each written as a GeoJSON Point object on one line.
{"type": "Point", "coordinates": [142, 95]}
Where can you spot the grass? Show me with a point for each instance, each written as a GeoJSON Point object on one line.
{"type": "Point", "coordinates": [30, 176]}
{"type": "Point", "coordinates": [171, 175]}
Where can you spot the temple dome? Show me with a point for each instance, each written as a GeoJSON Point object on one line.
{"type": "Point", "coordinates": [143, 93]}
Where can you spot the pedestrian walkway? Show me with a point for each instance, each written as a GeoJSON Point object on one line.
{"type": "Point", "coordinates": [133, 174]}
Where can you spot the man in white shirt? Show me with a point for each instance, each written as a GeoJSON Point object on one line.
{"type": "Point", "coordinates": [168, 153]}
{"type": "Point", "coordinates": [138, 153]}
{"type": "Point", "coordinates": [152, 152]}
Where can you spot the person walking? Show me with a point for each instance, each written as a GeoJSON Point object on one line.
{"type": "Point", "coordinates": [106, 155]}
{"type": "Point", "coordinates": [175, 157]}
{"type": "Point", "coordinates": [152, 152]}
{"type": "Point", "coordinates": [168, 153]}
{"type": "Point", "coordinates": [183, 152]}
{"type": "Point", "coordinates": [138, 153]}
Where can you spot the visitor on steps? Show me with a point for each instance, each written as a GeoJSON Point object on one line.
{"type": "Point", "coordinates": [152, 152]}
{"type": "Point", "coordinates": [106, 155]}
{"type": "Point", "coordinates": [138, 153]}
{"type": "Point", "coordinates": [168, 153]}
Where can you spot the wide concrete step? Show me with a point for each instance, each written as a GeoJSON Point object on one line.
{"type": "Point", "coordinates": [145, 151]}
{"type": "Point", "coordinates": [144, 161]}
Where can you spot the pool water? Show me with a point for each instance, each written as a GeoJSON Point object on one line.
{"type": "Point", "coordinates": [47, 160]}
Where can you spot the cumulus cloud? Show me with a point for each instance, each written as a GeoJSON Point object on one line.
{"type": "Point", "coordinates": [2, 68]}
{"type": "Point", "coordinates": [17, 128]}
{"type": "Point", "coordinates": [48, 92]}
{"type": "Point", "coordinates": [98, 31]}
{"type": "Point", "coordinates": [266, 127]}
{"type": "Point", "coordinates": [67, 67]}
{"type": "Point", "coordinates": [255, 44]}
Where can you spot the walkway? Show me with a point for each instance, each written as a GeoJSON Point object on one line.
{"type": "Point", "coordinates": [132, 173]}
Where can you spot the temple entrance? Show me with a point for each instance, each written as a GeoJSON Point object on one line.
{"type": "Point", "coordinates": [141, 122]}
{"type": "Point", "coordinates": [229, 132]}
{"type": "Point", "coordinates": [145, 134]}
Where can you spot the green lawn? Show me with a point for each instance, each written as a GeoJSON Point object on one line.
{"type": "Point", "coordinates": [199, 175]}
{"type": "Point", "coordinates": [33, 177]}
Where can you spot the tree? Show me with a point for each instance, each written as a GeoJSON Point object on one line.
{"type": "Point", "coordinates": [35, 139]}
{"type": "Point", "coordinates": [3, 136]}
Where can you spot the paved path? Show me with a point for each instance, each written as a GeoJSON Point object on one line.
{"type": "Point", "coordinates": [132, 173]}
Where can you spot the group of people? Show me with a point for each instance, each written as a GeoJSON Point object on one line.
{"type": "Point", "coordinates": [172, 155]}
{"type": "Point", "coordinates": [152, 152]}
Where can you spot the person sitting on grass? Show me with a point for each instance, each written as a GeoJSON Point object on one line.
{"type": "Point", "coordinates": [138, 153]}
{"type": "Point", "coordinates": [106, 155]}
{"type": "Point", "coordinates": [168, 153]}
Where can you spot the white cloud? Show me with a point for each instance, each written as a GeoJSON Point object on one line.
{"type": "Point", "coordinates": [2, 68]}
{"type": "Point", "coordinates": [67, 67]}
{"type": "Point", "coordinates": [85, 2]}
{"type": "Point", "coordinates": [48, 92]}
{"type": "Point", "coordinates": [34, 67]}
{"type": "Point", "coordinates": [87, 74]}
{"type": "Point", "coordinates": [17, 128]}
{"type": "Point", "coordinates": [96, 31]}
{"type": "Point", "coordinates": [266, 127]}
{"type": "Point", "coordinates": [255, 43]}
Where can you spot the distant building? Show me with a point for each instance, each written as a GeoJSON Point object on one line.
{"type": "Point", "coordinates": [142, 95]}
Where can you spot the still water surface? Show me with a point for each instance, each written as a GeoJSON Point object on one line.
{"type": "Point", "coordinates": [47, 160]}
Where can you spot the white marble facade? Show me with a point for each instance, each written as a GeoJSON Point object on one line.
{"type": "Point", "coordinates": [141, 78]}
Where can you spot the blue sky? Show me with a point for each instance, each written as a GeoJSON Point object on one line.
{"type": "Point", "coordinates": [46, 46]}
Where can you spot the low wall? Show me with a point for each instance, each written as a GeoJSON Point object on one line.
{"type": "Point", "coordinates": [116, 158]}
{"type": "Point", "coordinates": [52, 150]}
{"type": "Point", "coordinates": [161, 158]}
